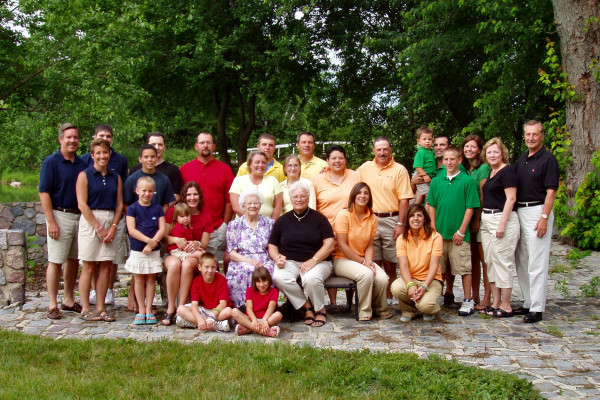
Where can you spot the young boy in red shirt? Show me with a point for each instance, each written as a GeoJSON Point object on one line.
{"type": "Point", "coordinates": [211, 307]}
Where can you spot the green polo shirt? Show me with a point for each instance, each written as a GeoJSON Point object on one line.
{"type": "Point", "coordinates": [451, 198]}
{"type": "Point", "coordinates": [480, 173]}
{"type": "Point", "coordinates": [426, 160]}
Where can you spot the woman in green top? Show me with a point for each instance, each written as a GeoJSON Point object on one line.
{"type": "Point", "coordinates": [480, 172]}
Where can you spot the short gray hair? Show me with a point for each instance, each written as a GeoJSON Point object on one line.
{"type": "Point", "coordinates": [250, 193]}
{"type": "Point", "coordinates": [299, 185]}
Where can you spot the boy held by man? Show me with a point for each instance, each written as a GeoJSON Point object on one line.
{"type": "Point", "coordinates": [210, 309]}
{"type": "Point", "coordinates": [424, 164]}
{"type": "Point", "coordinates": [452, 199]}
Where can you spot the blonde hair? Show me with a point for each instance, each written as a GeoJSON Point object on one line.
{"type": "Point", "coordinates": [498, 142]}
{"type": "Point", "coordinates": [143, 179]}
{"type": "Point", "coordinates": [180, 209]}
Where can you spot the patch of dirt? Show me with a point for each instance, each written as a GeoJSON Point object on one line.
{"type": "Point", "coordinates": [36, 279]}
{"type": "Point", "coordinates": [377, 337]}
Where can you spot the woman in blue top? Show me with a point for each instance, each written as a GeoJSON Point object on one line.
{"type": "Point", "coordinates": [99, 197]}
{"type": "Point", "coordinates": [480, 172]}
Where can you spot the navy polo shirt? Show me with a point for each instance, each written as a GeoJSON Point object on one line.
{"type": "Point", "coordinates": [163, 192]}
{"type": "Point", "coordinates": [117, 162]}
{"type": "Point", "coordinates": [102, 189]}
{"type": "Point", "coordinates": [58, 178]}
{"type": "Point", "coordinates": [535, 175]}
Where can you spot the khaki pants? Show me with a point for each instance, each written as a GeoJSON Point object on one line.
{"type": "Point", "coordinates": [371, 288]}
{"type": "Point", "coordinates": [500, 253]}
{"type": "Point", "coordinates": [285, 279]}
{"type": "Point", "coordinates": [428, 304]}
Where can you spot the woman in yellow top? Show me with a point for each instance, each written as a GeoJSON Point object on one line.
{"type": "Point", "coordinates": [419, 250]}
{"type": "Point", "coordinates": [355, 229]}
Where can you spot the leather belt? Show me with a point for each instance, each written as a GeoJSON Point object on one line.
{"type": "Point", "coordinates": [67, 210]}
{"type": "Point", "coordinates": [386, 214]}
{"type": "Point", "coordinates": [529, 203]}
{"type": "Point", "coordinates": [491, 211]}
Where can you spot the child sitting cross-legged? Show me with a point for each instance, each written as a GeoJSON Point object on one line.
{"type": "Point", "coordinates": [210, 308]}
{"type": "Point", "coordinates": [261, 303]}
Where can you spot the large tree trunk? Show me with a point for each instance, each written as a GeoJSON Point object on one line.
{"type": "Point", "coordinates": [222, 108]}
{"type": "Point", "coordinates": [245, 127]}
{"type": "Point", "coordinates": [579, 32]}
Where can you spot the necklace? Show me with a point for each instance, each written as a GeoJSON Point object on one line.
{"type": "Point", "coordinates": [302, 217]}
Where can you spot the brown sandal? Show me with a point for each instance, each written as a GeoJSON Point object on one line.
{"type": "Point", "coordinates": [308, 320]}
{"type": "Point", "coordinates": [103, 316]}
{"type": "Point", "coordinates": [53, 313]}
{"type": "Point", "coordinates": [319, 322]}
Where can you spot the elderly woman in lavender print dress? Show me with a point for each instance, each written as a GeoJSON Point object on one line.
{"type": "Point", "coordinates": [247, 243]}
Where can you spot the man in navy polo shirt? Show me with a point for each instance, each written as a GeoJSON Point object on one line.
{"type": "Point", "coordinates": [117, 163]}
{"type": "Point", "coordinates": [537, 175]}
{"type": "Point", "coordinates": [58, 177]}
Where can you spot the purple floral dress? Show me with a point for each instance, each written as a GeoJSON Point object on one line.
{"type": "Point", "coordinates": [249, 243]}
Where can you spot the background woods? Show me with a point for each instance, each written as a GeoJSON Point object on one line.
{"type": "Point", "coordinates": [346, 70]}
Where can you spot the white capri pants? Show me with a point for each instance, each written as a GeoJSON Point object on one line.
{"type": "Point", "coordinates": [499, 254]}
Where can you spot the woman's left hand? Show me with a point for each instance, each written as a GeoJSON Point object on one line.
{"type": "Point", "coordinates": [500, 230]}
{"type": "Point", "coordinates": [110, 234]}
{"type": "Point", "coordinates": [307, 265]}
{"type": "Point", "coordinates": [371, 265]}
{"type": "Point", "coordinates": [191, 246]}
{"type": "Point", "coordinates": [256, 263]}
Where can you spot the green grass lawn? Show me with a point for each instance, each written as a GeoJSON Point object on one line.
{"type": "Point", "coordinates": [37, 367]}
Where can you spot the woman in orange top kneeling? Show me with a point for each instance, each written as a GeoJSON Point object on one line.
{"type": "Point", "coordinates": [419, 250]}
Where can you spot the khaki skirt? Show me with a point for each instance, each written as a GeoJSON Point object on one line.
{"type": "Point", "coordinates": [90, 246]}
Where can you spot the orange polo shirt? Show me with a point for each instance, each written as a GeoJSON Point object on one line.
{"type": "Point", "coordinates": [389, 184]}
{"type": "Point", "coordinates": [331, 197]}
{"type": "Point", "coordinates": [420, 255]}
{"type": "Point", "coordinates": [359, 232]}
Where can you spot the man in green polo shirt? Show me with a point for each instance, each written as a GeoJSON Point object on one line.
{"type": "Point", "coordinates": [452, 199]}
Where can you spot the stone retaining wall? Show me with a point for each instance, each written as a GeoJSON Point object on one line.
{"type": "Point", "coordinates": [13, 271]}
{"type": "Point", "coordinates": [29, 218]}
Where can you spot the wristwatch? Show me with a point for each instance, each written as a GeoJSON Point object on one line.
{"type": "Point", "coordinates": [545, 216]}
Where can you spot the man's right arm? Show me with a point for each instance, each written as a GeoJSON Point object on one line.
{"type": "Point", "coordinates": [53, 230]}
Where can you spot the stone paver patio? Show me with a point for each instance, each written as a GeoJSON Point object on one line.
{"type": "Point", "coordinates": [560, 355]}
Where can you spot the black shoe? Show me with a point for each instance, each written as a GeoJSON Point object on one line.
{"type": "Point", "coordinates": [448, 299]}
{"type": "Point", "coordinates": [532, 316]}
{"type": "Point", "coordinates": [520, 311]}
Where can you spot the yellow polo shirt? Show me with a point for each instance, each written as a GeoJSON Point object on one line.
{"type": "Point", "coordinates": [359, 232]}
{"type": "Point", "coordinates": [312, 168]}
{"type": "Point", "coordinates": [331, 197]}
{"type": "Point", "coordinates": [388, 184]}
{"type": "Point", "coordinates": [419, 256]}
{"type": "Point", "coordinates": [276, 170]}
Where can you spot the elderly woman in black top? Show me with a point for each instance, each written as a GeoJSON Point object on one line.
{"type": "Point", "coordinates": [499, 226]}
{"type": "Point", "coordinates": [301, 243]}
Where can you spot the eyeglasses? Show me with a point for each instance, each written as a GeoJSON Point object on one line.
{"type": "Point", "coordinates": [299, 197]}
{"type": "Point", "coordinates": [252, 203]}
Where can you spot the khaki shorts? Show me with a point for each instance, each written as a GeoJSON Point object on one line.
{"type": "Point", "coordinates": [122, 242]}
{"type": "Point", "coordinates": [458, 257]}
{"type": "Point", "coordinates": [218, 241]}
{"type": "Point", "coordinates": [90, 246]}
{"type": "Point", "coordinates": [65, 246]}
{"type": "Point", "coordinates": [385, 245]}
{"type": "Point", "coordinates": [422, 188]}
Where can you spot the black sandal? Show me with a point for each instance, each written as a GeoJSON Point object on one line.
{"type": "Point", "coordinates": [319, 321]}
{"type": "Point", "coordinates": [168, 319]}
{"type": "Point", "coordinates": [310, 320]}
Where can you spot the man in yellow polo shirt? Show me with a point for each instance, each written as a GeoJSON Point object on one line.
{"type": "Point", "coordinates": [310, 165]}
{"type": "Point", "coordinates": [390, 186]}
{"type": "Point", "coordinates": [267, 144]}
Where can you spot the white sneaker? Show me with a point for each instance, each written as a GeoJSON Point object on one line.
{"type": "Point", "coordinates": [428, 317]}
{"type": "Point", "coordinates": [109, 298]}
{"type": "Point", "coordinates": [183, 323]}
{"type": "Point", "coordinates": [92, 296]}
{"type": "Point", "coordinates": [222, 326]}
{"type": "Point", "coordinates": [392, 302]}
{"type": "Point", "coordinates": [405, 318]}
{"type": "Point", "coordinates": [467, 308]}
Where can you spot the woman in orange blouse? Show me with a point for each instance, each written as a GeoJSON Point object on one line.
{"type": "Point", "coordinates": [419, 250]}
{"type": "Point", "coordinates": [355, 229]}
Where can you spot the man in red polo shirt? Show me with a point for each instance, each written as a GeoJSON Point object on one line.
{"type": "Point", "coordinates": [214, 178]}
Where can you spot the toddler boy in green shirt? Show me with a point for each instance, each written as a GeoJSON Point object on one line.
{"type": "Point", "coordinates": [424, 163]}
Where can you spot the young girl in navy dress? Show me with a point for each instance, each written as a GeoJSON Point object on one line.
{"type": "Point", "coordinates": [261, 302]}
{"type": "Point", "coordinates": [182, 228]}
{"type": "Point", "coordinates": [146, 226]}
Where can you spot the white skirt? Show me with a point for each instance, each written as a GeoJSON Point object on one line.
{"type": "Point", "coordinates": [144, 264]}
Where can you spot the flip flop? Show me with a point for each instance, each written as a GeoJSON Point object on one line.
{"type": "Point", "coordinates": [150, 319]}
{"type": "Point", "coordinates": [500, 313]}
{"type": "Point", "coordinates": [140, 319]}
